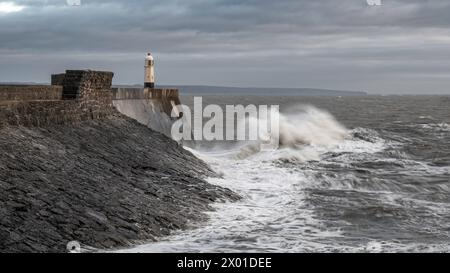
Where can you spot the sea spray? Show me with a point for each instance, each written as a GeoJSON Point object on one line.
{"type": "Point", "coordinates": [308, 125]}
{"type": "Point", "coordinates": [300, 130]}
{"type": "Point", "coordinates": [379, 189]}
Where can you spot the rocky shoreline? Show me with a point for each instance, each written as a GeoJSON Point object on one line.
{"type": "Point", "coordinates": [106, 183]}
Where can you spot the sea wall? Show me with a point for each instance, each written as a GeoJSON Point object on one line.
{"type": "Point", "coordinates": [151, 107]}
{"type": "Point", "coordinates": [72, 167]}
{"type": "Point", "coordinates": [58, 79]}
{"type": "Point", "coordinates": [80, 95]}
{"type": "Point", "coordinates": [42, 113]}
{"type": "Point", "coordinates": [30, 92]}
{"type": "Point", "coordinates": [144, 93]}
{"type": "Point", "coordinates": [84, 95]}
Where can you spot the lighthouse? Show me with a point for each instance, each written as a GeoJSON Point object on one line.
{"type": "Point", "coordinates": [149, 81]}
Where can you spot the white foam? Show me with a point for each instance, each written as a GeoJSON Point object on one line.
{"type": "Point", "coordinates": [442, 127]}
{"type": "Point", "coordinates": [391, 247]}
{"type": "Point", "coordinates": [311, 126]}
{"type": "Point", "coordinates": [307, 132]}
{"type": "Point", "coordinates": [273, 215]}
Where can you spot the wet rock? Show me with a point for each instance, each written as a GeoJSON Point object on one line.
{"type": "Point", "coordinates": [106, 183]}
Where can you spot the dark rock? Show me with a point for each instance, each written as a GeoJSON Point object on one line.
{"type": "Point", "coordinates": [106, 183]}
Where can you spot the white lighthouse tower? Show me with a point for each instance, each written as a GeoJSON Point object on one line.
{"type": "Point", "coordinates": [149, 81]}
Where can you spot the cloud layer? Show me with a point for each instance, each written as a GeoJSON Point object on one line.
{"type": "Point", "coordinates": [400, 47]}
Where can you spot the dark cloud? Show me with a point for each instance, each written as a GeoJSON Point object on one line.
{"type": "Point", "coordinates": [402, 46]}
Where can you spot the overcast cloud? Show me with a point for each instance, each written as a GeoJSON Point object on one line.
{"type": "Point", "coordinates": [400, 47]}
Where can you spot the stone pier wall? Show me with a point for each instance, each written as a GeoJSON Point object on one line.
{"type": "Point", "coordinates": [57, 79]}
{"type": "Point", "coordinates": [30, 92]}
{"type": "Point", "coordinates": [79, 95]}
{"type": "Point", "coordinates": [84, 95]}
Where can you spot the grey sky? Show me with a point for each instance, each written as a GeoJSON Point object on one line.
{"type": "Point", "coordinates": [400, 47]}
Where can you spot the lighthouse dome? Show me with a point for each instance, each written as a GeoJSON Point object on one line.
{"type": "Point", "coordinates": [149, 57]}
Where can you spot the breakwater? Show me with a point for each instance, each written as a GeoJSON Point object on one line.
{"type": "Point", "coordinates": [74, 168]}
{"type": "Point", "coordinates": [84, 95]}
{"type": "Point", "coordinates": [151, 107]}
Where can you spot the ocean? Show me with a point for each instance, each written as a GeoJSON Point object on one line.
{"type": "Point", "coordinates": [360, 174]}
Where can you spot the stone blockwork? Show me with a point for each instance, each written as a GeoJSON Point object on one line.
{"type": "Point", "coordinates": [30, 92]}
{"type": "Point", "coordinates": [87, 85]}
{"type": "Point", "coordinates": [85, 94]}
{"type": "Point", "coordinates": [57, 79]}
{"type": "Point", "coordinates": [41, 113]}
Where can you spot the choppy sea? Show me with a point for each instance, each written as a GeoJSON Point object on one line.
{"type": "Point", "coordinates": [365, 174]}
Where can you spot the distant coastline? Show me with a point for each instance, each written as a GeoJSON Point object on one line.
{"type": "Point", "coordinates": [272, 91]}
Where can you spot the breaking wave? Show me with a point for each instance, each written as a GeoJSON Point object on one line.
{"type": "Point", "coordinates": [308, 125]}
{"type": "Point", "coordinates": [306, 132]}
{"type": "Point", "coordinates": [326, 188]}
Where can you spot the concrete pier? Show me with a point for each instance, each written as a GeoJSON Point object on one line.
{"type": "Point", "coordinates": [151, 107]}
